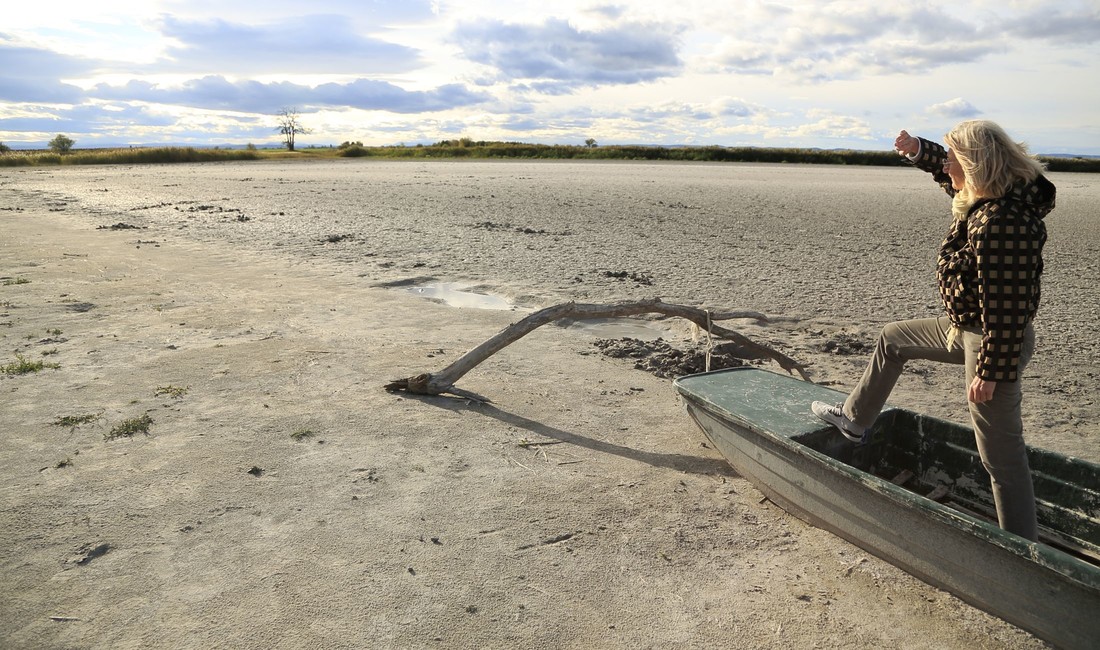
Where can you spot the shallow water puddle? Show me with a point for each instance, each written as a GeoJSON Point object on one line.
{"type": "Point", "coordinates": [457, 294]}
{"type": "Point", "coordinates": [461, 295]}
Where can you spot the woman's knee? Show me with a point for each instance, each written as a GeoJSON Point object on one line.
{"type": "Point", "coordinates": [892, 339]}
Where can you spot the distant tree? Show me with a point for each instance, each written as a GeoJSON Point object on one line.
{"type": "Point", "coordinates": [590, 143]}
{"type": "Point", "coordinates": [290, 125]}
{"type": "Point", "coordinates": [61, 144]}
{"type": "Point", "coordinates": [4, 148]}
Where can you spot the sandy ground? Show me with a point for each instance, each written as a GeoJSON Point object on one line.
{"type": "Point", "coordinates": [581, 509]}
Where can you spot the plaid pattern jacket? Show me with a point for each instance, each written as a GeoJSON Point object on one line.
{"type": "Point", "coordinates": [989, 265]}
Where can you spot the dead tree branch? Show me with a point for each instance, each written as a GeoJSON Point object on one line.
{"type": "Point", "coordinates": [444, 380]}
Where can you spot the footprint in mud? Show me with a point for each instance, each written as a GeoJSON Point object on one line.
{"type": "Point", "coordinates": [88, 552]}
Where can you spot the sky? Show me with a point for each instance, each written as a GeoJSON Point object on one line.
{"type": "Point", "coordinates": [789, 73]}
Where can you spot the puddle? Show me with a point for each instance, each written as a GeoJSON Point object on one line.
{"type": "Point", "coordinates": [458, 294]}
{"type": "Point", "coordinates": [616, 328]}
{"type": "Point", "coordinates": [464, 296]}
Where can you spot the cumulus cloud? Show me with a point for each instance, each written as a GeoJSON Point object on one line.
{"type": "Point", "coordinates": [955, 108]}
{"type": "Point", "coordinates": [556, 57]}
{"type": "Point", "coordinates": [309, 44]}
{"type": "Point", "coordinates": [217, 92]}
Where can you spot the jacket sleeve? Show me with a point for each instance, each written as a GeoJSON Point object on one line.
{"type": "Point", "coordinates": [1008, 267]}
{"type": "Point", "coordinates": [930, 159]}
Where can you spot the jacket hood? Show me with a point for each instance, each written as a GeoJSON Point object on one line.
{"type": "Point", "coordinates": [1039, 194]}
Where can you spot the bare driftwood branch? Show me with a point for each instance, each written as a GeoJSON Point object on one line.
{"type": "Point", "coordinates": [444, 380]}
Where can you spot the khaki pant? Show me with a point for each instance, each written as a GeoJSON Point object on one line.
{"type": "Point", "coordinates": [998, 426]}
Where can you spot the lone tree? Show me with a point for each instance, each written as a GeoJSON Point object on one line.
{"type": "Point", "coordinates": [590, 143]}
{"type": "Point", "coordinates": [290, 125]}
{"type": "Point", "coordinates": [61, 143]}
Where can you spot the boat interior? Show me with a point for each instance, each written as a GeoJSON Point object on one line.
{"type": "Point", "coordinates": [939, 460]}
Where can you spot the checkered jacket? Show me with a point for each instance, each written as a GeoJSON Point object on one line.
{"type": "Point", "coordinates": [989, 265]}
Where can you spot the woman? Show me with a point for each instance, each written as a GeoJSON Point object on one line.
{"type": "Point", "coordinates": [988, 271]}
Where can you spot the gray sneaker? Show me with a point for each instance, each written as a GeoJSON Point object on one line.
{"type": "Point", "coordinates": [834, 415]}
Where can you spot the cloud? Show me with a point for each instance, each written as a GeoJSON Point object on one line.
{"type": "Point", "coordinates": [30, 74]}
{"type": "Point", "coordinates": [87, 118]}
{"type": "Point", "coordinates": [309, 44]}
{"type": "Point", "coordinates": [821, 43]}
{"type": "Point", "coordinates": [218, 93]}
{"type": "Point", "coordinates": [1057, 25]}
{"type": "Point", "coordinates": [955, 108]}
{"type": "Point", "coordinates": [719, 109]}
{"type": "Point", "coordinates": [39, 91]}
{"type": "Point", "coordinates": [830, 41]}
{"type": "Point", "coordinates": [557, 57]}
{"type": "Point", "coordinates": [373, 12]}
{"type": "Point", "coordinates": [380, 95]}
{"type": "Point", "coordinates": [832, 127]}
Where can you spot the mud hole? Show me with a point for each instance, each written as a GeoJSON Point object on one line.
{"type": "Point", "coordinates": [663, 360]}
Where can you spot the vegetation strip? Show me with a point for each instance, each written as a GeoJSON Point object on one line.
{"type": "Point", "coordinates": [468, 148]}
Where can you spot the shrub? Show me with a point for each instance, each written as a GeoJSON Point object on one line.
{"type": "Point", "coordinates": [61, 144]}
{"type": "Point", "coordinates": [353, 151]}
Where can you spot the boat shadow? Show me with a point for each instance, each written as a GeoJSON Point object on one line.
{"type": "Point", "coordinates": [677, 462]}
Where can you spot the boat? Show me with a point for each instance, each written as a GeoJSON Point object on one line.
{"type": "Point", "coordinates": [916, 495]}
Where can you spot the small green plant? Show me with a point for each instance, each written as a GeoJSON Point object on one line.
{"type": "Point", "coordinates": [172, 391]}
{"type": "Point", "coordinates": [23, 366]}
{"type": "Point", "coordinates": [302, 434]}
{"type": "Point", "coordinates": [54, 332]}
{"type": "Point", "coordinates": [12, 281]}
{"type": "Point", "coordinates": [50, 352]}
{"type": "Point", "coordinates": [130, 428]}
{"type": "Point", "coordinates": [75, 420]}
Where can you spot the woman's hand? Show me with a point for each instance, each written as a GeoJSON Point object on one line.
{"type": "Point", "coordinates": [906, 144]}
{"type": "Point", "coordinates": [980, 391]}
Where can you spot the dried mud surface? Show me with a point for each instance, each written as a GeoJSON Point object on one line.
{"type": "Point", "coordinates": [252, 311]}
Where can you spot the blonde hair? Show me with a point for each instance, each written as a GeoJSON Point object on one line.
{"type": "Point", "coordinates": [991, 160]}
